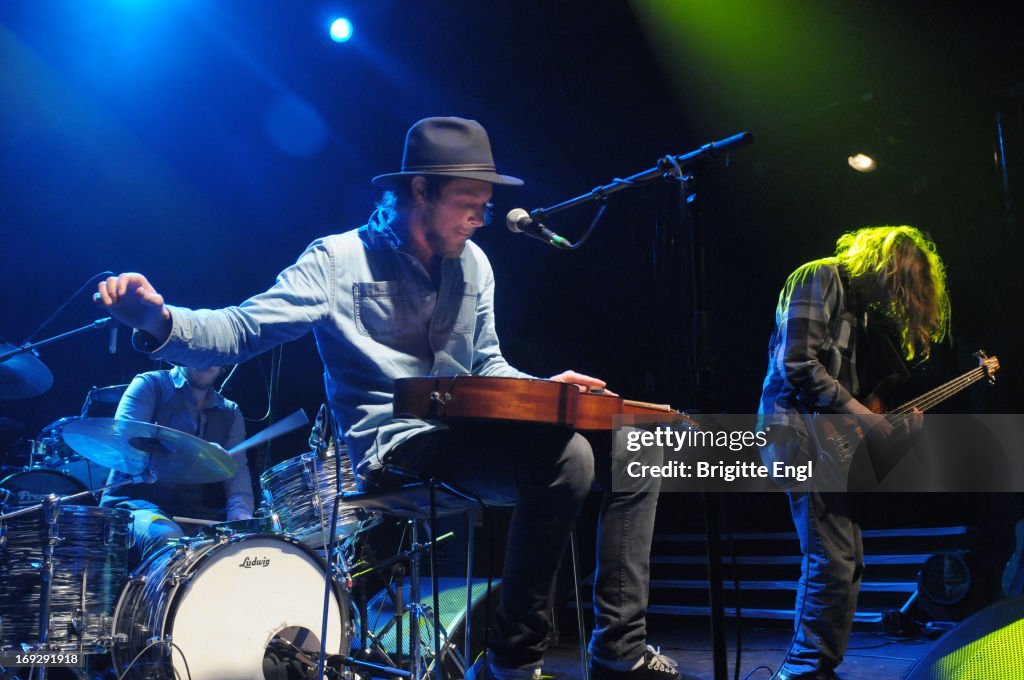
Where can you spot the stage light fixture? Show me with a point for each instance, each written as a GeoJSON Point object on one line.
{"type": "Point", "coordinates": [341, 30]}
{"type": "Point", "coordinates": [862, 162]}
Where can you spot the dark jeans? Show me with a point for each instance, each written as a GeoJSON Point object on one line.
{"type": "Point", "coordinates": [830, 578]}
{"type": "Point", "coordinates": [546, 473]}
{"type": "Point", "coordinates": [832, 565]}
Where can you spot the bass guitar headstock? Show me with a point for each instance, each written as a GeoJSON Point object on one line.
{"type": "Point", "coordinates": [990, 364]}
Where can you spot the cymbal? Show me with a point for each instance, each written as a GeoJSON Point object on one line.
{"type": "Point", "coordinates": [107, 395]}
{"type": "Point", "coordinates": [23, 375]}
{"type": "Point", "coordinates": [132, 447]}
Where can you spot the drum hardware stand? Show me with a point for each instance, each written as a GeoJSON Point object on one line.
{"type": "Point", "coordinates": [147, 477]}
{"type": "Point", "coordinates": [51, 508]}
{"type": "Point", "coordinates": [334, 663]}
{"type": "Point", "coordinates": [416, 609]}
{"type": "Point", "coordinates": [32, 346]}
{"type": "Point", "coordinates": [356, 663]}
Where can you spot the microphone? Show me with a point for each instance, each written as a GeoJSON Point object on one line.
{"type": "Point", "coordinates": [112, 341]}
{"type": "Point", "coordinates": [520, 222]}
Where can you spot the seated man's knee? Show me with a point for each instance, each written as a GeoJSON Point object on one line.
{"type": "Point", "coordinates": [577, 464]}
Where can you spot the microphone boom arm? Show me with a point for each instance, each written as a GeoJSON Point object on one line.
{"type": "Point", "coordinates": [708, 150]}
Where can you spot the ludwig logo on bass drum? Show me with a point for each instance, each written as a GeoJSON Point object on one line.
{"type": "Point", "coordinates": [255, 562]}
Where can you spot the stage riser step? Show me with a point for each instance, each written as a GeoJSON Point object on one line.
{"type": "Point", "coordinates": [927, 532]}
{"type": "Point", "coordinates": [786, 615]}
{"type": "Point", "coordinates": [783, 616]}
{"type": "Point", "coordinates": [771, 599]}
{"type": "Point", "coordinates": [789, 572]}
{"type": "Point", "coordinates": [786, 543]}
{"type": "Point", "coordinates": [794, 559]}
{"type": "Point", "coordinates": [745, 586]}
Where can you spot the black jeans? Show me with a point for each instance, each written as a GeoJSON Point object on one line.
{"type": "Point", "coordinates": [546, 473]}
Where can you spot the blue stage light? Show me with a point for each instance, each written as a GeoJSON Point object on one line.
{"type": "Point", "coordinates": [341, 30]}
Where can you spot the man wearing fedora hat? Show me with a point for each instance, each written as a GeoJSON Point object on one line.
{"type": "Point", "coordinates": [409, 294]}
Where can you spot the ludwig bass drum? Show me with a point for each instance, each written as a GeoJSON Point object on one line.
{"type": "Point", "coordinates": [209, 609]}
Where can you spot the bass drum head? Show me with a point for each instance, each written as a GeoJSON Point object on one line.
{"type": "Point", "coordinates": [219, 604]}
{"type": "Point", "coordinates": [30, 487]}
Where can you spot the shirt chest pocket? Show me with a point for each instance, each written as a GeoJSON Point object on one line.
{"type": "Point", "coordinates": [465, 320]}
{"type": "Point", "coordinates": [385, 310]}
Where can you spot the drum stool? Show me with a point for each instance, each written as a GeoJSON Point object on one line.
{"type": "Point", "coordinates": [424, 501]}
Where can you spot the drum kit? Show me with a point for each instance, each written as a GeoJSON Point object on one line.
{"type": "Point", "coordinates": [207, 606]}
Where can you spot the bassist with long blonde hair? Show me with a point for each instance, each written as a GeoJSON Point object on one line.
{"type": "Point", "coordinates": [888, 279]}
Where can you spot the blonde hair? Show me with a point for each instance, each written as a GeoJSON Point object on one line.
{"type": "Point", "coordinates": [903, 278]}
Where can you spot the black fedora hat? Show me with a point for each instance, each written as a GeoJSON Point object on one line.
{"type": "Point", "coordinates": [448, 146]}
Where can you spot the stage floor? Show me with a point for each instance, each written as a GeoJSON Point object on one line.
{"type": "Point", "coordinates": [871, 656]}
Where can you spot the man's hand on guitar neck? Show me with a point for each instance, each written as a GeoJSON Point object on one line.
{"type": "Point", "coordinates": [586, 383]}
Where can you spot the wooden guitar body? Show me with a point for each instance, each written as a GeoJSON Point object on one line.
{"type": "Point", "coordinates": [469, 397]}
{"type": "Point", "coordinates": [527, 400]}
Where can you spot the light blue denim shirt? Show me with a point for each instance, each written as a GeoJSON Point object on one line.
{"type": "Point", "coordinates": [376, 316]}
{"type": "Point", "coordinates": [161, 397]}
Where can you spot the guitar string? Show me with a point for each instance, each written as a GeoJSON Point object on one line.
{"type": "Point", "coordinates": [933, 397]}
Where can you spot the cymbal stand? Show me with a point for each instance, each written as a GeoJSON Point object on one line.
{"type": "Point", "coordinates": [32, 346]}
{"type": "Point", "coordinates": [51, 506]}
{"type": "Point", "coordinates": [147, 477]}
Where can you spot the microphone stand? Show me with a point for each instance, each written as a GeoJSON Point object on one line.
{"type": "Point", "coordinates": [671, 167]}
{"type": "Point", "coordinates": [712, 502]}
{"type": "Point", "coordinates": [665, 165]}
{"type": "Point", "coordinates": [32, 346]}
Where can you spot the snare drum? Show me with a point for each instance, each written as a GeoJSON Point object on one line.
{"type": "Point", "coordinates": [209, 609]}
{"type": "Point", "coordinates": [236, 527]}
{"type": "Point", "coordinates": [89, 570]}
{"type": "Point", "coordinates": [301, 492]}
{"type": "Point", "coordinates": [30, 487]}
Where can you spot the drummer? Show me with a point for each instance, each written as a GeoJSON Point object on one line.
{"type": "Point", "coordinates": [183, 399]}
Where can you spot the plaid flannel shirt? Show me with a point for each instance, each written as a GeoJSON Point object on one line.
{"type": "Point", "coordinates": [812, 359]}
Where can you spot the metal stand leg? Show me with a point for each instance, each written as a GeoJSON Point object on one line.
{"type": "Point", "coordinates": [575, 549]}
{"type": "Point", "coordinates": [51, 515]}
{"type": "Point", "coordinates": [414, 606]}
{"type": "Point", "coordinates": [470, 530]}
{"type": "Point", "coordinates": [399, 613]}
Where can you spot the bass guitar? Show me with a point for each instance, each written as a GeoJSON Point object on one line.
{"type": "Point", "coordinates": [840, 436]}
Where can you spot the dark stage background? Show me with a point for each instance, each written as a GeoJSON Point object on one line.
{"type": "Point", "coordinates": [206, 143]}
